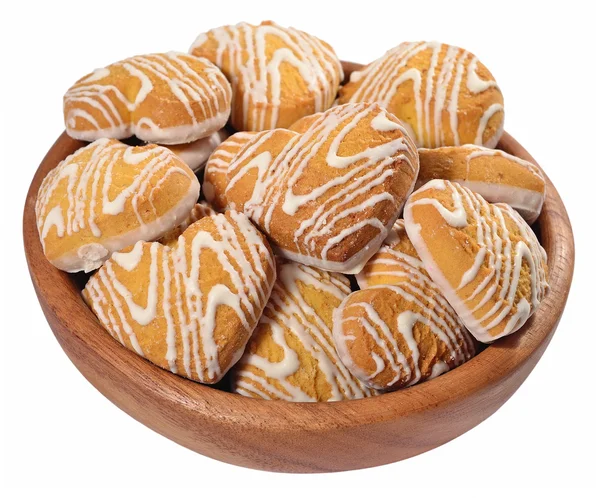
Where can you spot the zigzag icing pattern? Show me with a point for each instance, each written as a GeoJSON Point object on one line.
{"type": "Point", "coordinates": [399, 330]}
{"type": "Point", "coordinates": [447, 103]}
{"type": "Point", "coordinates": [278, 74]}
{"type": "Point", "coordinates": [291, 355]}
{"type": "Point", "coordinates": [192, 307]}
{"type": "Point", "coordinates": [327, 197]}
{"type": "Point", "coordinates": [168, 98]}
{"type": "Point", "coordinates": [107, 196]}
{"type": "Point", "coordinates": [485, 258]}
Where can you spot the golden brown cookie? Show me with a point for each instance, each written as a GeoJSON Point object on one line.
{"type": "Point", "coordinates": [107, 196]}
{"type": "Point", "coordinates": [394, 336]}
{"type": "Point", "coordinates": [303, 124]}
{"type": "Point", "coordinates": [494, 174]}
{"type": "Point", "coordinates": [390, 264]}
{"type": "Point", "coordinates": [278, 74]}
{"type": "Point", "coordinates": [198, 212]}
{"type": "Point", "coordinates": [326, 197]}
{"type": "Point", "coordinates": [169, 98]}
{"type": "Point", "coordinates": [485, 258]}
{"type": "Point", "coordinates": [190, 308]}
{"type": "Point", "coordinates": [196, 153]}
{"type": "Point", "coordinates": [215, 173]}
{"type": "Point", "coordinates": [291, 355]}
{"type": "Point", "coordinates": [442, 94]}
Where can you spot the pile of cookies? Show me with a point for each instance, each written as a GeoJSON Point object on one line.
{"type": "Point", "coordinates": [318, 242]}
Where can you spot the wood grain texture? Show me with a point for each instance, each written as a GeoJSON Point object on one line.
{"type": "Point", "coordinates": [300, 437]}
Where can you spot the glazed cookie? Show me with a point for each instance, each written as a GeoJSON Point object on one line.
{"type": "Point", "coordinates": [215, 173]}
{"type": "Point", "coordinates": [236, 170]}
{"type": "Point", "coordinates": [393, 262]}
{"type": "Point", "coordinates": [393, 336]}
{"type": "Point", "coordinates": [278, 74]}
{"type": "Point", "coordinates": [196, 153]}
{"type": "Point", "coordinates": [485, 258]}
{"type": "Point", "coordinates": [199, 211]}
{"type": "Point", "coordinates": [442, 94]}
{"type": "Point", "coordinates": [190, 308]}
{"type": "Point", "coordinates": [327, 197]}
{"type": "Point", "coordinates": [494, 174]}
{"type": "Point", "coordinates": [303, 124]}
{"type": "Point", "coordinates": [107, 196]}
{"type": "Point", "coordinates": [291, 355]}
{"type": "Point", "coordinates": [167, 98]}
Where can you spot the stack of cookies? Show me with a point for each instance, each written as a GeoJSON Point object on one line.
{"type": "Point", "coordinates": [308, 239]}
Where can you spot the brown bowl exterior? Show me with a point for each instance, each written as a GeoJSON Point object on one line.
{"type": "Point", "coordinates": [300, 437]}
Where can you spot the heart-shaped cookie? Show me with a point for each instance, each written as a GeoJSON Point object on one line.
{"type": "Point", "coordinates": [167, 98]}
{"type": "Point", "coordinates": [442, 94]}
{"type": "Point", "coordinates": [278, 74]}
{"type": "Point", "coordinates": [107, 196]}
{"type": "Point", "coordinates": [494, 174]}
{"type": "Point", "coordinates": [399, 329]}
{"type": "Point", "coordinates": [485, 258]}
{"type": "Point", "coordinates": [190, 308]}
{"type": "Point", "coordinates": [291, 354]}
{"type": "Point", "coordinates": [394, 336]}
{"type": "Point", "coordinates": [328, 197]}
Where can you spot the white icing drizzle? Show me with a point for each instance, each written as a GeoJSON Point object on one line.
{"type": "Point", "coordinates": [199, 211]}
{"type": "Point", "coordinates": [97, 196]}
{"type": "Point", "coordinates": [103, 99]}
{"type": "Point", "coordinates": [255, 70]}
{"type": "Point", "coordinates": [394, 269]}
{"type": "Point", "coordinates": [288, 313]}
{"type": "Point", "coordinates": [173, 283]}
{"type": "Point", "coordinates": [436, 98]}
{"type": "Point", "coordinates": [499, 255]}
{"type": "Point", "coordinates": [356, 189]}
{"type": "Point", "coordinates": [524, 191]}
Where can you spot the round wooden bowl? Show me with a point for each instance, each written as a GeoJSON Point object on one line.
{"type": "Point", "coordinates": [300, 437]}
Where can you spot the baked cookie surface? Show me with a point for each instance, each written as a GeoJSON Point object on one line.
{"type": "Point", "coordinates": [107, 196]}
{"type": "Point", "coordinates": [442, 94]}
{"type": "Point", "coordinates": [291, 355]}
{"type": "Point", "coordinates": [189, 308]}
{"type": "Point", "coordinates": [394, 336]}
{"type": "Point", "coordinates": [485, 258]}
{"type": "Point", "coordinates": [326, 197]}
{"type": "Point", "coordinates": [399, 329]}
{"type": "Point", "coordinates": [278, 74]}
{"type": "Point", "coordinates": [168, 98]}
{"type": "Point", "coordinates": [494, 174]}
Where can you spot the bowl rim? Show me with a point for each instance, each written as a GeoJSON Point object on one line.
{"type": "Point", "coordinates": [71, 319]}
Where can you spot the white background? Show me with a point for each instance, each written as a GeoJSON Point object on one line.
{"type": "Point", "coordinates": [60, 434]}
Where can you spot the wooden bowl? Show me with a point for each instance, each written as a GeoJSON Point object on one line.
{"type": "Point", "coordinates": [300, 437]}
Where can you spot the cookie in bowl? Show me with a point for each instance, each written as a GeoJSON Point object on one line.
{"type": "Point", "coordinates": [278, 74]}
{"type": "Point", "coordinates": [190, 307]}
{"type": "Point", "coordinates": [485, 257]}
{"type": "Point", "coordinates": [399, 329]}
{"type": "Point", "coordinates": [196, 153]}
{"type": "Point", "coordinates": [169, 98]}
{"type": "Point", "coordinates": [494, 174]}
{"type": "Point", "coordinates": [326, 197]}
{"type": "Point", "coordinates": [199, 211]}
{"type": "Point", "coordinates": [240, 181]}
{"type": "Point", "coordinates": [107, 196]}
{"type": "Point", "coordinates": [291, 355]}
{"type": "Point", "coordinates": [442, 94]}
